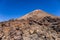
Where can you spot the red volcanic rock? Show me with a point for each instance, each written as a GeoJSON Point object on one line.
{"type": "Point", "coordinates": [36, 25]}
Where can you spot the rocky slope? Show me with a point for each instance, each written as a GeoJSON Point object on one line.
{"type": "Point", "coordinates": [36, 25]}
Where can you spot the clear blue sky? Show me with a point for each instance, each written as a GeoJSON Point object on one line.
{"type": "Point", "coordinates": [16, 8]}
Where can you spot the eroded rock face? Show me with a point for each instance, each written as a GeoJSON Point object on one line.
{"type": "Point", "coordinates": [31, 28]}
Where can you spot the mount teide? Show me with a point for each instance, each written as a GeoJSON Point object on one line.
{"type": "Point", "coordinates": [38, 13]}
{"type": "Point", "coordinates": [37, 25]}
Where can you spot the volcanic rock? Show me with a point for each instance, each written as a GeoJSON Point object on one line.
{"type": "Point", "coordinates": [36, 25]}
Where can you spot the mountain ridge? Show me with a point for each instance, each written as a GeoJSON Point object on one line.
{"type": "Point", "coordinates": [36, 25]}
{"type": "Point", "coordinates": [36, 12]}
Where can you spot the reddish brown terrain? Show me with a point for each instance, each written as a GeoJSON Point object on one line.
{"type": "Point", "coordinates": [37, 25]}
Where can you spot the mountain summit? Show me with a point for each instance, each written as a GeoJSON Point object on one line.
{"type": "Point", "coordinates": [38, 13]}
{"type": "Point", "coordinates": [36, 25]}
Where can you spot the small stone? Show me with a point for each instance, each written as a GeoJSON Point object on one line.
{"type": "Point", "coordinates": [1, 34]}
{"type": "Point", "coordinates": [17, 37]}
{"type": "Point", "coordinates": [31, 31]}
{"type": "Point", "coordinates": [37, 30]}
